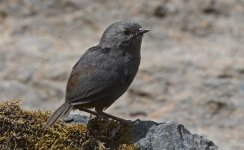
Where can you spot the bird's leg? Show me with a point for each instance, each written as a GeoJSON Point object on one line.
{"type": "Point", "coordinates": [92, 112]}
{"type": "Point", "coordinates": [123, 121]}
{"type": "Point", "coordinates": [101, 113]}
{"type": "Point", "coordinates": [89, 111]}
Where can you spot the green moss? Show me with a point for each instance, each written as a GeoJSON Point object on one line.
{"type": "Point", "coordinates": [20, 129]}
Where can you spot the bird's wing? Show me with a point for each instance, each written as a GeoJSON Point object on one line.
{"type": "Point", "coordinates": [88, 83]}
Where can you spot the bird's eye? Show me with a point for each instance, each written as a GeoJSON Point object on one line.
{"type": "Point", "coordinates": [126, 32]}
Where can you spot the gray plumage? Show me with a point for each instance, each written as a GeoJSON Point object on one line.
{"type": "Point", "coordinates": [104, 72]}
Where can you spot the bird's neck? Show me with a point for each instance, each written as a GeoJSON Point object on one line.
{"type": "Point", "coordinates": [133, 49]}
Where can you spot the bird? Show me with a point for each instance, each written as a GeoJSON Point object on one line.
{"type": "Point", "coordinates": [104, 72]}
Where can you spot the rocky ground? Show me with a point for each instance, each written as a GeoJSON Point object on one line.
{"type": "Point", "coordinates": [192, 68]}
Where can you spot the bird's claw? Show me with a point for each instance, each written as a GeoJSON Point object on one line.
{"type": "Point", "coordinates": [129, 122]}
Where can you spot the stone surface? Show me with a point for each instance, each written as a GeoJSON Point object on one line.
{"type": "Point", "coordinates": [146, 135]}
{"type": "Point", "coordinates": [149, 135]}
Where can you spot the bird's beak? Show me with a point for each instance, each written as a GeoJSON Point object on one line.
{"type": "Point", "coordinates": [142, 31]}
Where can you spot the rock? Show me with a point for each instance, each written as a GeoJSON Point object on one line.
{"type": "Point", "coordinates": [76, 119]}
{"type": "Point", "coordinates": [149, 135]}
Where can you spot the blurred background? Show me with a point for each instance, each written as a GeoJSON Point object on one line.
{"type": "Point", "coordinates": [192, 68]}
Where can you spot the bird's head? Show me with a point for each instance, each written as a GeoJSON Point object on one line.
{"type": "Point", "coordinates": [123, 34]}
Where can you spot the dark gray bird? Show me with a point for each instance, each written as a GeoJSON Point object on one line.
{"type": "Point", "coordinates": [104, 72]}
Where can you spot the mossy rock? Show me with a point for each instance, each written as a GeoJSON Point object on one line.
{"type": "Point", "coordinates": [21, 129]}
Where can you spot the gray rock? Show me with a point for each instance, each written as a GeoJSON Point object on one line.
{"type": "Point", "coordinates": [76, 119]}
{"type": "Point", "coordinates": [149, 135]}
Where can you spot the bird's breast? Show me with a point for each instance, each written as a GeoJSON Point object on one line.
{"type": "Point", "coordinates": [129, 69]}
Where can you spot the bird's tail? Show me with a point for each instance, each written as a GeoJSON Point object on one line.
{"type": "Point", "coordinates": [60, 112]}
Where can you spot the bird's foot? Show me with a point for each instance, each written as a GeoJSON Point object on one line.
{"type": "Point", "coordinates": [130, 122]}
